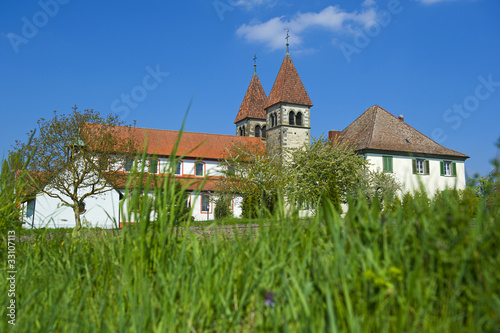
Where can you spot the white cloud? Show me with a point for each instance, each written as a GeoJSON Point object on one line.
{"type": "Point", "coordinates": [332, 18]}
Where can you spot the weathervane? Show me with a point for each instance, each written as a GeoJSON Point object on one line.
{"type": "Point", "coordinates": [287, 36]}
{"type": "Point", "coordinates": [255, 64]}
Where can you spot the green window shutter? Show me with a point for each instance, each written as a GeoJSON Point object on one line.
{"type": "Point", "coordinates": [426, 167]}
{"type": "Point", "coordinates": [454, 169]}
{"type": "Point", "coordinates": [387, 163]}
{"type": "Point", "coordinates": [414, 166]}
{"type": "Point", "coordinates": [442, 167]}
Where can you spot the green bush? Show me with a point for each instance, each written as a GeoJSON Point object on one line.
{"type": "Point", "coordinates": [223, 207]}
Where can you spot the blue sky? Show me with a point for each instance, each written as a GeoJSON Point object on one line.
{"type": "Point", "coordinates": [434, 61]}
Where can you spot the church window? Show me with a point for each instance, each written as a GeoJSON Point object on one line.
{"type": "Point", "coordinates": [129, 162]}
{"type": "Point", "coordinates": [205, 203]}
{"type": "Point", "coordinates": [257, 131]}
{"type": "Point", "coordinates": [272, 120]}
{"type": "Point", "coordinates": [298, 121]}
{"type": "Point", "coordinates": [291, 118]}
{"type": "Point", "coordinates": [263, 131]}
{"type": "Point", "coordinates": [178, 166]}
{"type": "Point", "coordinates": [199, 168]}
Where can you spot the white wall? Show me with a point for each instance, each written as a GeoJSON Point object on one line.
{"type": "Point", "coordinates": [403, 170]}
{"type": "Point", "coordinates": [101, 211]}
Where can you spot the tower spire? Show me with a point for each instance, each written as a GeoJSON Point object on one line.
{"type": "Point", "coordinates": [287, 36]}
{"type": "Point", "coordinates": [255, 64]}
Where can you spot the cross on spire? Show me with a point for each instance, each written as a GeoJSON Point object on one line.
{"type": "Point", "coordinates": [255, 64]}
{"type": "Point", "coordinates": [287, 36]}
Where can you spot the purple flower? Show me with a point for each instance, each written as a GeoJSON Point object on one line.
{"type": "Point", "coordinates": [269, 299]}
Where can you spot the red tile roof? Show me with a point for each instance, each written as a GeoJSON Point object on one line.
{"type": "Point", "coordinates": [254, 102]}
{"type": "Point", "coordinates": [194, 145]}
{"type": "Point", "coordinates": [377, 129]}
{"type": "Point", "coordinates": [288, 87]}
{"type": "Point", "coordinates": [119, 181]}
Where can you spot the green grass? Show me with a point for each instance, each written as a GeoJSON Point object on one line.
{"type": "Point", "coordinates": [372, 271]}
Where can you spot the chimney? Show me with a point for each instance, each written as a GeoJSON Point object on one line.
{"type": "Point", "coordinates": [334, 136]}
{"type": "Point", "coordinates": [401, 117]}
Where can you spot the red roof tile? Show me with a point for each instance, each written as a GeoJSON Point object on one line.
{"type": "Point", "coordinates": [194, 145]}
{"type": "Point", "coordinates": [254, 102]}
{"type": "Point", "coordinates": [377, 129]}
{"type": "Point", "coordinates": [288, 87]}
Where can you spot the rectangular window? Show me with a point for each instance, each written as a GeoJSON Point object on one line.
{"type": "Point", "coordinates": [387, 163]}
{"type": "Point", "coordinates": [178, 166]}
{"type": "Point", "coordinates": [448, 169]}
{"type": "Point", "coordinates": [421, 167]}
{"type": "Point", "coordinates": [129, 163]}
{"type": "Point", "coordinates": [205, 203]}
{"type": "Point", "coordinates": [199, 169]}
{"type": "Point", "coordinates": [230, 170]}
{"type": "Point", "coordinates": [153, 165]}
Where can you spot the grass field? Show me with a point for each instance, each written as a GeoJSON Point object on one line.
{"type": "Point", "coordinates": [421, 267]}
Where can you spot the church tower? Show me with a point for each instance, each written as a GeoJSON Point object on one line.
{"type": "Point", "coordinates": [251, 118]}
{"type": "Point", "coordinates": [287, 110]}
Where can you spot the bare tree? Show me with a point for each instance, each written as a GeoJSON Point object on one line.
{"type": "Point", "coordinates": [77, 155]}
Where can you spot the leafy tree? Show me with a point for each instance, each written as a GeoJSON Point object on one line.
{"type": "Point", "coordinates": [253, 175]}
{"type": "Point", "coordinates": [303, 176]}
{"type": "Point", "coordinates": [323, 168]}
{"type": "Point", "coordinates": [76, 155]}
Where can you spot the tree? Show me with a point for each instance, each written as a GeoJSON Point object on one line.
{"type": "Point", "coordinates": [75, 156]}
{"type": "Point", "coordinates": [253, 175]}
{"type": "Point", "coordinates": [323, 167]}
{"type": "Point", "coordinates": [302, 176]}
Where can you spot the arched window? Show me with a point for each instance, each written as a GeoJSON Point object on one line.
{"type": "Point", "coordinates": [263, 131]}
{"type": "Point", "coordinates": [257, 131]}
{"type": "Point", "coordinates": [298, 119]}
{"type": "Point", "coordinates": [241, 131]}
{"type": "Point", "coordinates": [271, 117]}
{"type": "Point", "coordinates": [291, 118]}
{"type": "Point", "coordinates": [275, 119]}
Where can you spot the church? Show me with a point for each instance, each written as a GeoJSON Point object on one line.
{"type": "Point", "coordinates": [276, 122]}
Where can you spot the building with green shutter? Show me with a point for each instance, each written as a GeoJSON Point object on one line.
{"type": "Point", "coordinates": [395, 147]}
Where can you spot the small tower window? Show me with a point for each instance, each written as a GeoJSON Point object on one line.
{"type": "Point", "coordinates": [257, 131]}
{"type": "Point", "coordinates": [263, 131]}
{"type": "Point", "coordinates": [272, 120]}
{"type": "Point", "coordinates": [291, 118]}
{"type": "Point", "coordinates": [299, 119]}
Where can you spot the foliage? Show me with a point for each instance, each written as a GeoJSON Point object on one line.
{"type": "Point", "coordinates": [303, 176]}
{"type": "Point", "coordinates": [377, 184]}
{"type": "Point", "coordinates": [77, 155]}
{"type": "Point", "coordinates": [257, 178]}
{"type": "Point", "coordinates": [11, 189]}
{"type": "Point", "coordinates": [223, 207]}
{"type": "Point", "coordinates": [323, 167]}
